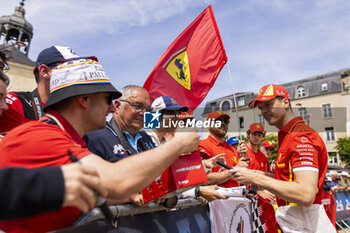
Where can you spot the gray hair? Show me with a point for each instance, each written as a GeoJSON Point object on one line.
{"type": "Point", "coordinates": [126, 91]}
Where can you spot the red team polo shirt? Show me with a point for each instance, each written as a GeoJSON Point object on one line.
{"type": "Point", "coordinates": [212, 147]}
{"type": "Point", "coordinates": [300, 149]}
{"type": "Point", "coordinates": [266, 211]}
{"type": "Point", "coordinates": [258, 161]}
{"type": "Point", "coordinates": [14, 116]}
{"type": "Point", "coordinates": [253, 163]}
{"type": "Point", "coordinates": [38, 144]}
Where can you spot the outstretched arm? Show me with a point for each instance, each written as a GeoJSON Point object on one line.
{"type": "Point", "coordinates": [133, 173]}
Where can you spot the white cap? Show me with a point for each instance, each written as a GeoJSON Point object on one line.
{"type": "Point", "coordinates": [344, 173]}
{"type": "Point", "coordinates": [333, 173]}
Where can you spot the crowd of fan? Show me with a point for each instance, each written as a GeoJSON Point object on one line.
{"type": "Point", "coordinates": [66, 115]}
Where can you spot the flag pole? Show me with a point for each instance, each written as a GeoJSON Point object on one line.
{"type": "Point", "coordinates": [234, 99]}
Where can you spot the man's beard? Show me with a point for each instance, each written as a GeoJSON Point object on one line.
{"type": "Point", "coordinates": [220, 133]}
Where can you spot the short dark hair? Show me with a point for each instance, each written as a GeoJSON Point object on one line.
{"type": "Point", "coordinates": [51, 66]}
{"type": "Point", "coordinates": [4, 78]}
{"type": "Point", "coordinates": [3, 56]}
{"type": "Point", "coordinates": [37, 77]}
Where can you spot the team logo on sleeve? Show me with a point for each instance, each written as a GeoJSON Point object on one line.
{"type": "Point", "coordinates": [119, 150]}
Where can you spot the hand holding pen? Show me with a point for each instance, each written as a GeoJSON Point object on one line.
{"type": "Point", "coordinates": [242, 150]}
{"type": "Point", "coordinates": [101, 202]}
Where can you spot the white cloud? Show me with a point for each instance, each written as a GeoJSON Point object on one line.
{"type": "Point", "coordinates": [266, 40]}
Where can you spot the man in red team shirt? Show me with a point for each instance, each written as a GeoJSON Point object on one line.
{"type": "Point", "coordinates": [80, 99]}
{"type": "Point", "coordinates": [300, 167]}
{"type": "Point", "coordinates": [215, 144]}
{"type": "Point", "coordinates": [27, 106]}
{"type": "Point", "coordinates": [258, 161]}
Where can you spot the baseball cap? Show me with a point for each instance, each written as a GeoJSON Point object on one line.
{"type": "Point", "coordinates": [329, 179]}
{"type": "Point", "coordinates": [267, 144]}
{"type": "Point", "coordinates": [333, 173]}
{"type": "Point", "coordinates": [256, 127]}
{"type": "Point", "coordinates": [232, 140]}
{"type": "Point", "coordinates": [167, 103]}
{"type": "Point", "coordinates": [57, 54]}
{"type": "Point", "coordinates": [185, 115]}
{"type": "Point", "coordinates": [216, 114]}
{"type": "Point", "coordinates": [344, 173]}
{"type": "Point", "coordinates": [269, 92]}
{"type": "Point", "coordinates": [78, 77]}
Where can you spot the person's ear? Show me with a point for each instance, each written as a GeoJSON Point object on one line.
{"type": "Point", "coordinates": [82, 100]}
{"type": "Point", "coordinates": [285, 102]}
{"type": "Point", "coordinates": [44, 72]}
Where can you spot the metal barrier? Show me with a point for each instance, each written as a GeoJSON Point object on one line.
{"type": "Point", "coordinates": [342, 207]}
{"type": "Point", "coordinates": [191, 212]}
{"type": "Point", "coordinates": [132, 210]}
{"type": "Point", "coordinates": [133, 219]}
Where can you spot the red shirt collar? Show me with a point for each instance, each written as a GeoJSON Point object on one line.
{"type": "Point", "coordinates": [217, 142]}
{"type": "Point", "coordinates": [66, 126]}
{"type": "Point", "coordinates": [291, 124]}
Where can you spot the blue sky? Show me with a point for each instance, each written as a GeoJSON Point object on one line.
{"type": "Point", "coordinates": [266, 41]}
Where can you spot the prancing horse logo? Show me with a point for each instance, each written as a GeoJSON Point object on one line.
{"type": "Point", "coordinates": [178, 68]}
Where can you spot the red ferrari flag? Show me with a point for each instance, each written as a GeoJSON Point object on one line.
{"type": "Point", "coordinates": [189, 67]}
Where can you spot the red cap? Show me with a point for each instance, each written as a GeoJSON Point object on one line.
{"type": "Point", "coordinates": [217, 114]}
{"type": "Point", "coordinates": [267, 144]}
{"type": "Point", "coordinates": [185, 115]}
{"type": "Point", "coordinates": [256, 127]}
{"type": "Point", "coordinates": [269, 92]}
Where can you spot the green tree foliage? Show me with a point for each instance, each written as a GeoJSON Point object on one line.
{"type": "Point", "coordinates": [343, 148]}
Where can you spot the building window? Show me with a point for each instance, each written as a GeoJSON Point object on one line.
{"type": "Point", "coordinates": [301, 91]}
{"type": "Point", "coordinates": [327, 110]}
{"type": "Point", "coordinates": [303, 113]}
{"type": "Point", "coordinates": [324, 87]}
{"type": "Point", "coordinates": [330, 133]}
{"type": "Point", "coordinates": [212, 106]}
{"type": "Point", "coordinates": [346, 88]}
{"type": "Point", "coordinates": [261, 119]}
{"type": "Point", "coordinates": [333, 159]}
{"type": "Point", "coordinates": [241, 123]}
{"type": "Point", "coordinates": [241, 101]}
{"type": "Point", "coordinates": [226, 106]}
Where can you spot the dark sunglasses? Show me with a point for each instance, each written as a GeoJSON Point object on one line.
{"type": "Point", "coordinates": [140, 107]}
{"type": "Point", "coordinates": [225, 120]}
{"type": "Point", "coordinates": [269, 149]}
{"type": "Point", "coordinates": [110, 99]}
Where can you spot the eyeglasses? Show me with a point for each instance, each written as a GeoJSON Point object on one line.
{"type": "Point", "coordinates": [269, 149]}
{"type": "Point", "coordinates": [225, 120]}
{"type": "Point", "coordinates": [4, 67]}
{"type": "Point", "coordinates": [140, 107]}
